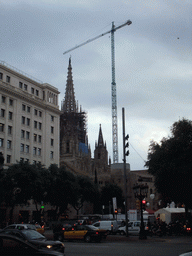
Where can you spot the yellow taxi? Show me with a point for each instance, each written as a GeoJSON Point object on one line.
{"type": "Point", "coordinates": [39, 228]}
{"type": "Point", "coordinates": [87, 233]}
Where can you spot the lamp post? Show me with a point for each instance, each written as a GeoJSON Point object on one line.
{"type": "Point", "coordinates": [140, 192]}
{"type": "Point", "coordinates": [125, 153]}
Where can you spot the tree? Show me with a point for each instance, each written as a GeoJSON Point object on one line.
{"type": "Point", "coordinates": [84, 190]}
{"type": "Point", "coordinates": [108, 192]}
{"type": "Point", "coordinates": [170, 162]}
{"type": "Point", "coordinates": [60, 188]}
{"type": "Point", "coordinates": [22, 182]}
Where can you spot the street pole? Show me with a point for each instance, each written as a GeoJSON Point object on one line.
{"type": "Point", "coordinates": [125, 176]}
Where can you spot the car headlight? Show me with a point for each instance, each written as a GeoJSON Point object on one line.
{"type": "Point", "coordinates": [49, 246]}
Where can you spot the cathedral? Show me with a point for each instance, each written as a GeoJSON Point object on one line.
{"type": "Point", "coordinates": [75, 152]}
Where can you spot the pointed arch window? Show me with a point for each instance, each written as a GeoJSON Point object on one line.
{"type": "Point", "coordinates": [67, 147]}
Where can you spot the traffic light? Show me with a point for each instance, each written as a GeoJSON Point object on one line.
{"type": "Point", "coordinates": [144, 204]}
{"type": "Point", "coordinates": [138, 204]}
{"type": "Point", "coordinates": [126, 144]}
{"type": "Point", "coordinates": [115, 211]}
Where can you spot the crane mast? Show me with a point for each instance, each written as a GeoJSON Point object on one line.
{"type": "Point", "coordinates": [114, 99]}
{"type": "Point", "coordinates": [113, 84]}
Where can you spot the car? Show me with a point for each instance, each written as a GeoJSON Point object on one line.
{"type": "Point", "coordinates": [39, 228]}
{"type": "Point", "coordinates": [13, 246]}
{"type": "Point", "coordinates": [133, 228]}
{"type": "Point", "coordinates": [35, 238]}
{"type": "Point", "coordinates": [87, 233]}
{"type": "Point", "coordinates": [110, 225]}
{"type": "Point", "coordinates": [36, 227]}
{"type": "Point", "coordinates": [20, 226]}
{"type": "Point", "coordinates": [186, 254]}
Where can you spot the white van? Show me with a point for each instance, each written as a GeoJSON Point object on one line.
{"type": "Point", "coordinates": [110, 225]}
{"type": "Point", "coordinates": [133, 228]}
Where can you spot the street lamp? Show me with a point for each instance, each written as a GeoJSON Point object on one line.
{"type": "Point", "coordinates": [140, 192]}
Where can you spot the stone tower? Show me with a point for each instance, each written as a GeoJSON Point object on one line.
{"type": "Point", "coordinates": [101, 167]}
{"type": "Point", "coordinates": [74, 150]}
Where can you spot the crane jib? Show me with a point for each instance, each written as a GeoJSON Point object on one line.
{"type": "Point", "coordinates": [113, 85]}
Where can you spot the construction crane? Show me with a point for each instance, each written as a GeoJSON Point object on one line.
{"type": "Point", "coordinates": [113, 84]}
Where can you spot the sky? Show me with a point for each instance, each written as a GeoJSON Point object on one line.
{"type": "Point", "coordinates": [153, 62]}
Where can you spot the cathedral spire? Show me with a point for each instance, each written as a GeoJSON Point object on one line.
{"type": "Point", "coordinates": [100, 139]}
{"type": "Point", "coordinates": [69, 103]}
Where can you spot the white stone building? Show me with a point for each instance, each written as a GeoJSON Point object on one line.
{"type": "Point", "coordinates": [29, 118]}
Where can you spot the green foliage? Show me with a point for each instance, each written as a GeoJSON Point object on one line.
{"type": "Point", "coordinates": [170, 162]}
{"type": "Point", "coordinates": [109, 191]}
{"type": "Point", "coordinates": [22, 182]}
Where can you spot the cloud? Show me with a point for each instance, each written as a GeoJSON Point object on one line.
{"type": "Point", "coordinates": [152, 66]}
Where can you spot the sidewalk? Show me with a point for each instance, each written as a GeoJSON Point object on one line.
{"type": "Point", "coordinates": [167, 239]}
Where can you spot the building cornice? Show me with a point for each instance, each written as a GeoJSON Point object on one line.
{"type": "Point", "coordinates": [16, 92]}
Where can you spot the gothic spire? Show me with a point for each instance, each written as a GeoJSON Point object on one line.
{"type": "Point", "coordinates": [69, 103]}
{"type": "Point", "coordinates": [100, 139]}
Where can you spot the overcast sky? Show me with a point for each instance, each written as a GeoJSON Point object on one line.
{"type": "Point", "coordinates": [153, 61]}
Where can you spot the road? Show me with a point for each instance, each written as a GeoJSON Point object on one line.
{"type": "Point", "coordinates": [128, 246]}
{"type": "Point", "coordinates": [125, 249]}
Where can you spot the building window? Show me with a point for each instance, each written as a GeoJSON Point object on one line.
{"type": "Point", "coordinates": [1, 143]}
{"type": "Point", "coordinates": [10, 102]}
{"type": "Point", "coordinates": [39, 138]}
{"type": "Point", "coordinates": [35, 112]}
{"type": "Point", "coordinates": [3, 99]}
{"type": "Point", "coordinates": [22, 134]}
{"type": "Point", "coordinates": [28, 121]}
{"type": "Point", "coordinates": [9, 144]}
{"type": "Point", "coordinates": [52, 118]}
{"type": "Point", "coordinates": [39, 152]}
{"type": "Point", "coordinates": [52, 129]}
{"type": "Point", "coordinates": [1, 76]}
{"type": "Point", "coordinates": [10, 115]}
{"type": "Point", "coordinates": [25, 87]}
{"type": "Point", "coordinates": [20, 85]}
{"type": "Point", "coordinates": [35, 124]}
{"type": "Point", "coordinates": [27, 135]}
{"type": "Point", "coordinates": [22, 147]}
{"type": "Point", "coordinates": [35, 137]}
{"type": "Point", "coordinates": [51, 154]}
{"type": "Point", "coordinates": [40, 126]}
{"type": "Point", "coordinates": [23, 120]}
{"type": "Point", "coordinates": [28, 109]}
{"type": "Point", "coordinates": [2, 112]}
{"type": "Point", "coordinates": [2, 127]}
{"type": "Point", "coordinates": [37, 93]}
{"type": "Point", "coordinates": [52, 142]}
{"type": "Point", "coordinates": [27, 148]}
{"type": "Point", "coordinates": [32, 90]}
{"type": "Point", "coordinates": [23, 107]}
{"type": "Point", "coordinates": [40, 114]}
{"type": "Point", "coordinates": [34, 151]}
{"type": "Point", "coordinates": [9, 129]}
{"type": "Point", "coordinates": [8, 79]}
{"type": "Point", "coordinates": [8, 159]}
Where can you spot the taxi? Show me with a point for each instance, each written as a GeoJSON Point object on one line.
{"type": "Point", "coordinates": [39, 228]}
{"type": "Point", "coordinates": [87, 233]}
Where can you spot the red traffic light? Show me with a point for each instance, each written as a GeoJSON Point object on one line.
{"type": "Point", "coordinates": [143, 201]}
